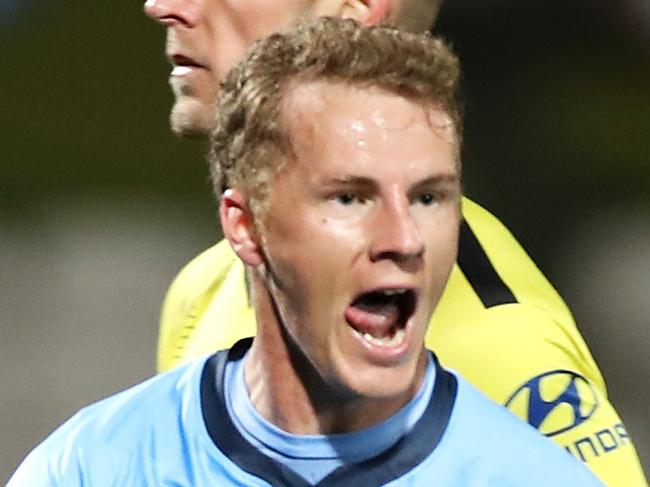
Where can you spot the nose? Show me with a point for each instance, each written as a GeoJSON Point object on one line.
{"type": "Point", "coordinates": [397, 236]}
{"type": "Point", "coordinates": [168, 12]}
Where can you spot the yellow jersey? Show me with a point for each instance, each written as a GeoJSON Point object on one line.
{"type": "Point", "coordinates": [500, 323]}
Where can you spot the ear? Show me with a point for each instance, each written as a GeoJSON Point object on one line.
{"type": "Point", "coordinates": [238, 227]}
{"type": "Point", "coordinates": [366, 12]}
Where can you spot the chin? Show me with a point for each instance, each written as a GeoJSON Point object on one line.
{"type": "Point", "coordinates": [189, 118]}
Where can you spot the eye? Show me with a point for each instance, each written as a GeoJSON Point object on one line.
{"type": "Point", "coordinates": [427, 199]}
{"type": "Point", "coordinates": [346, 198]}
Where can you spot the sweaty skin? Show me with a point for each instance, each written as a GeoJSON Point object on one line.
{"type": "Point", "coordinates": [325, 241]}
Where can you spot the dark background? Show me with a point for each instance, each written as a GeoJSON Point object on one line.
{"type": "Point", "coordinates": [100, 205]}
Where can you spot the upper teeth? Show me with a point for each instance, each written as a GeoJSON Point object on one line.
{"type": "Point", "coordinates": [393, 292]}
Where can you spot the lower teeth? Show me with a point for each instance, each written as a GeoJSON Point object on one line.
{"type": "Point", "coordinates": [389, 341]}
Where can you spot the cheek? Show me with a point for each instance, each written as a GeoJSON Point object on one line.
{"type": "Point", "coordinates": [255, 19]}
{"type": "Point", "coordinates": [229, 37]}
{"type": "Point", "coordinates": [317, 254]}
{"type": "Point", "coordinates": [266, 17]}
{"type": "Point", "coordinates": [442, 243]}
{"type": "Point", "coordinates": [345, 230]}
{"type": "Point", "coordinates": [316, 228]}
{"type": "Point", "coordinates": [340, 245]}
{"type": "Point", "coordinates": [227, 51]}
{"type": "Point", "coordinates": [321, 243]}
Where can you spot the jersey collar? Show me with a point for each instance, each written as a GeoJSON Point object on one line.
{"type": "Point", "coordinates": [391, 464]}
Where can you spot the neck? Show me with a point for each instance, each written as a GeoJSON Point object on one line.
{"type": "Point", "coordinates": [288, 391]}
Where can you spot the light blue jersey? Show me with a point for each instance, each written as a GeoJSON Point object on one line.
{"type": "Point", "coordinates": [175, 430]}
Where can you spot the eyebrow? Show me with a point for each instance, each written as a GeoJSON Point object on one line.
{"type": "Point", "coordinates": [351, 180]}
{"type": "Point", "coordinates": [439, 180]}
{"type": "Point", "coordinates": [364, 181]}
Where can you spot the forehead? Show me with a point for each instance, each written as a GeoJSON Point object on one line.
{"type": "Point", "coordinates": [341, 122]}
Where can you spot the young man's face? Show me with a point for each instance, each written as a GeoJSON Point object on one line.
{"type": "Point", "coordinates": [360, 232]}
{"type": "Point", "coordinates": [205, 38]}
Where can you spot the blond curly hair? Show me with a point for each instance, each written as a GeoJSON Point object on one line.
{"type": "Point", "coordinates": [249, 141]}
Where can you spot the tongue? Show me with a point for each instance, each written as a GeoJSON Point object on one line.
{"type": "Point", "coordinates": [375, 319]}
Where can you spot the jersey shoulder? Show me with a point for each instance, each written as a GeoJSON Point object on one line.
{"type": "Point", "coordinates": [114, 441]}
{"type": "Point", "coordinates": [499, 449]}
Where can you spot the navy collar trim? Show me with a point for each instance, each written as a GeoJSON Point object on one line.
{"type": "Point", "coordinates": [393, 463]}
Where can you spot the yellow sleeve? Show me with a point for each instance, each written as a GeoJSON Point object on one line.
{"type": "Point", "coordinates": [206, 308]}
{"type": "Point", "coordinates": [502, 325]}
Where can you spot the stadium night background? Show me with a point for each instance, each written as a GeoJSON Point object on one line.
{"type": "Point", "coordinates": [100, 205]}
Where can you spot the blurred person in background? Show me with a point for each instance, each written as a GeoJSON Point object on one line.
{"type": "Point", "coordinates": [500, 322]}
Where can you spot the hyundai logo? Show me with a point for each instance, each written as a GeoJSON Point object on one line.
{"type": "Point", "coordinates": [555, 401]}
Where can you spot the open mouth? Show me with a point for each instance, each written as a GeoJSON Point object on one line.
{"type": "Point", "coordinates": [178, 60]}
{"type": "Point", "coordinates": [380, 316]}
